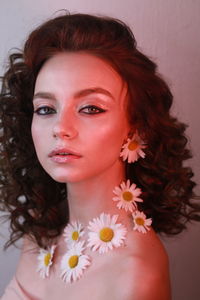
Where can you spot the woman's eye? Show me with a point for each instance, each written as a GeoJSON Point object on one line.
{"type": "Point", "coordinates": [92, 110]}
{"type": "Point", "coordinates": [44, 110]}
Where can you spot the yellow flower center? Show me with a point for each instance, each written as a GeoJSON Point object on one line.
{"type": "Point", "coordinates": [47, 259]}
{"type": "Point", "coordinates": [133, 145]}
{"type": "Point", "coordinates": [139, 221]}
{"type": "Point", "coordinates": [73, 261]}
{"type": "Point", "coordinates": [106, 234]}
{"type": "Point", "coordinates": [75, 235]}
{"type": "Point", "coordinates": [127, 196]}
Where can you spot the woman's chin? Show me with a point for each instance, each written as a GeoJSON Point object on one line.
{"type": "Point", "coordinates": [66, 178]}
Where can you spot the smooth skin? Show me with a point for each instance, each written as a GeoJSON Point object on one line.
{"type": "Point", "coordinates": [80, 103]}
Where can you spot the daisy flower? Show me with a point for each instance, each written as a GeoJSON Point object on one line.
{"type": "Point", "coordinates": [132, 150]}
{"type": "Point", "coordinates": [105, 233]}
{"type": "Point", "coordinates": [45, 259]}
{"type": "Point", "coordinates": [127, 196]}
{"type": "Point", "coordinates": [141, 223]}
{"type": "Point", "coordinates": [74, 262]}
{"type": "Point", "coordinates": [73, 232]}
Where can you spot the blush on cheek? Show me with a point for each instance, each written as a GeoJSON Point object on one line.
{"type": "Point", "coordinates": [37, 142]}
{"type": "Point", "coordinates": [37, 133]}
{"type": "Point", "coordinates": [34, 138]}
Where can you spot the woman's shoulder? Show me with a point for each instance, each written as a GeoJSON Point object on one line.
{"type": "Point", "coordinates": [146, 246]}
{"type": "Point", "coordinates": [139, 270]}
{"type": "Point", "coordinates": [145, 272]}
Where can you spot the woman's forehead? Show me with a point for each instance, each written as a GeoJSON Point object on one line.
{"type": "Point", "coordinates": [80, 71]}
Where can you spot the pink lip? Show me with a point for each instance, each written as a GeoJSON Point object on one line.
{"type": "Point", "coordinates": [63, 155]}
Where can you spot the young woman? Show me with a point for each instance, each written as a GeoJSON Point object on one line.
{"type": "Point", "coordinates": [91, 164]}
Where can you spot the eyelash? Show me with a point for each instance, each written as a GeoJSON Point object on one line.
{"type": "Point", "coordinates": [100, 110]}
{"type": "Point", "coordinates": [39, 109]}
{"type": "Point", "coordinates": [50, 110]}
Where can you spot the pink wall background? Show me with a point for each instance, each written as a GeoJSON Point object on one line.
{"type": "Point", "coordinates": [167, 31]}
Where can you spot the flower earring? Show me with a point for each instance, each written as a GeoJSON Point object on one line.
{"type": "Point", "coordinates": [132, 149]}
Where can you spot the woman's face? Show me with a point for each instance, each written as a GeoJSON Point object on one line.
{"type": "Point", "coordinates": [80, 121]}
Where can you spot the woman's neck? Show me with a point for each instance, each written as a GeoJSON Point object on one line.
{"type": "Point", "coordinates": [87, 199]}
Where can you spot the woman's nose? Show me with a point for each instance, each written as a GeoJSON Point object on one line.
{"type": "Point", "coordinates": [65, 128]}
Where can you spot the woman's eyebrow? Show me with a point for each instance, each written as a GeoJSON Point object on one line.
{"type": "Point", "coordinates": [44, 95]}
{"type": "Point", "coordinates": [79, 94]}
{"type": "Point", "coordinates": [93, 90]}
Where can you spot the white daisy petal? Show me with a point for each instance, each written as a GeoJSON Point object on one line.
{"type": "Point", "coordinates": [74, 262]}
{"type": "Point", "coordinates": [104, 233]}
{"type": "Point", "coordinates": [141, 223]}
{"type": "Point", "coordinates": [128, 196]}
{"type": "Point", "coordinates": [45, 259]}
{"type": "Point", "coordinates": [73, 233]}
{"type": "Point", "coordinates": [132, 150]}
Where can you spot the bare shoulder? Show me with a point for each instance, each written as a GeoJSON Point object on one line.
{"type": "Point", "coordinates": [26, 266]}
{"type": "Point", "coordinates": [145, 273]}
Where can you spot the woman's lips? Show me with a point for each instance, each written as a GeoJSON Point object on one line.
{"type": "Point", "coordinates": [63, 155]}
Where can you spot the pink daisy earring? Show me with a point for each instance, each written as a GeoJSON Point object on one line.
{"type": "Point", "coordinates": [132, 149]}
